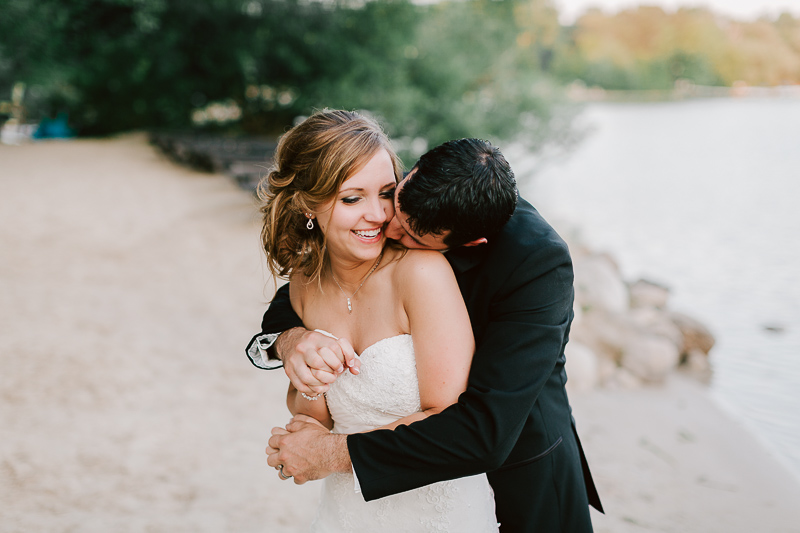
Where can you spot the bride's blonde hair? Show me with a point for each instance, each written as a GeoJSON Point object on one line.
{"type": "Point", "coordinates": [311, 162]}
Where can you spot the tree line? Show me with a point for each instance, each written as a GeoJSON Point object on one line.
{"type": "Point", "coordinates": [429, 72]}
{"type": "Point", "coordinates": [432, 72]}
{"type": "Point", "coordinates": [648, 48]}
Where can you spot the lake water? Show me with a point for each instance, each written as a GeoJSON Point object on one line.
{"type": "Point", "coordinates": [704, 197]}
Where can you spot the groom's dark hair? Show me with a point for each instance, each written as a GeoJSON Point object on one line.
{"type": "Point", "coordinates": [465, 186]}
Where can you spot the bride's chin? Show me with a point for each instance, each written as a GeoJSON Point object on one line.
{"type": "Point", "coordinates": [372, 248]}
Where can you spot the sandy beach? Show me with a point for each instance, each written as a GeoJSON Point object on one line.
{"type": "Point", "coordinates": [129, 287]}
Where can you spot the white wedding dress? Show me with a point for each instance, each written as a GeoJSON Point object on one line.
{"type": "Point", "coordinates": [385, 390]}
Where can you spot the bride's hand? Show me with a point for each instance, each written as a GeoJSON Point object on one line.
{"type": "Point", "coordinates": [313, 361]}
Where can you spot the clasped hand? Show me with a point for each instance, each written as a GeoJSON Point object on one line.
{"type": "Point", "coordinates": [313, 360]}
{"type": "Point", "coordinates": [305, 450]}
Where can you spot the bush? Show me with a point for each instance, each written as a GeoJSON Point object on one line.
{"type": "Point", "coordinates": [430, 73]}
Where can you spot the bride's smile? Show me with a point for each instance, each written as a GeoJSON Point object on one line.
{"type": "Point", "coordinates": [368, 235]}
{"type": "Point", "coordinates": [354, 222]}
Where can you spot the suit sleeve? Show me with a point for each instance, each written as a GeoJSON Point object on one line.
{"type": "Point", "coordinates": [279, 317]}
{"type": "Point", "coordinates": [523, 340]}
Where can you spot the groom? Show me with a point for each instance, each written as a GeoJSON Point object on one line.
{"type": "Point", "coordinates": [514, 421]}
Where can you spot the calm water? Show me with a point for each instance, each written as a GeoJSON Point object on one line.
{"type": "Point", "coordinates": [703, 196]}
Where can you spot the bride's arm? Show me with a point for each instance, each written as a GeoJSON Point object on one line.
{"type": "Point", "coordinates": [299, 405]}
{"type": "Point", "coordinates": [295, 401]}
{"type": "Point", "coordinates": [440, 329]}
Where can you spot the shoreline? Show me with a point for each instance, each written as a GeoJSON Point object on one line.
{"type": "Point", "coordinates": [677, 462]}
{"type": "Point", "coordinates": [729, 410]}
{"type": "Point", "coordinates": [605, 191]}
{"type": "Point", "coordinates": [130, 288]}
{"type": "Point", "coordinates": [683, 90]}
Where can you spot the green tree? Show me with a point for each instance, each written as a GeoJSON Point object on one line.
{"type": "Point", "coordinates": [436, 72]}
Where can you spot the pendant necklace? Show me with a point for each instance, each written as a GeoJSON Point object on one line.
{"type": "Point", "coordinates": [349, 304]}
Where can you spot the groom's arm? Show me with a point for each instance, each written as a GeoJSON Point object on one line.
{"type": "Point", "coordinates": [279, 317]}
{"type": "Point", "coordinates": [517, 354]}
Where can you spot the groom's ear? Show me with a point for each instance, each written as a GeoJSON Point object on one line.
{"type": "Point", "coordinates": [476, 242]}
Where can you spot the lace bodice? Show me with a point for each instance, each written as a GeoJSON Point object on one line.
{"type": "Point", "coordinates": [385, 390]}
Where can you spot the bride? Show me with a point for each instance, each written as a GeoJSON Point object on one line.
{"type": "Point", "coordinates": [328, 201]}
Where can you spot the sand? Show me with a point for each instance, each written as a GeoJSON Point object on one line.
{"type": "Point", "coordinates": [128, 289]}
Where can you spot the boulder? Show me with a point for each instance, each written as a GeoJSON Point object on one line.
{"type": "Point", "coordinates": [599, 285]}
{"type": "Point", "coordinates": [646, 293]}
{"type": "Point", "coordinates": [604, 332]}
{"type": "Point", "coordinates": [606, 369]}
{"type": "Point", "coordinates": [650, 357]}
{"type": "Point", "coordinates": [623, 335]}
{"type": "Point", "coordinates": [582, 367]}
{"type": "Point", "coordinates": [623, 378]}
{"type": "Point", "coordinates": [696, 363]}
{"type": "Point", "coordinates": [656, 322]}
{"type": "Point", "coordinates": [696, 336]}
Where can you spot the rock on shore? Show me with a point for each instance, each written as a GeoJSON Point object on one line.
{"type": "Point", "coordinates": [624, 334]}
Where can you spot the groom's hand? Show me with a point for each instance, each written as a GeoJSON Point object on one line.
{"type": "Point", "coordinates": [307, 450]}
{"type": "Point", "coordinates": [313, 360]}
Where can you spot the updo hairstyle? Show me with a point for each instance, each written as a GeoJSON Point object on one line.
{"type": "Point", "coordinates": [311, 162]}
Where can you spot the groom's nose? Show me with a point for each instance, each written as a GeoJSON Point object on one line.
{"type": "Point", "coordinates": [394, 230]}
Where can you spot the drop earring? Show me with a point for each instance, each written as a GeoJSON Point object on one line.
{"type": "Point", "coordinates": [310, 223]}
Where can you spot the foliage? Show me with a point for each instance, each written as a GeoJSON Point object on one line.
{"type": "Point", "coordinates": [648, 48]}
{"type": "Point", "coordinates": [433, 72]}
{"type": "Point", "coordinates": [430, 73]}
{"type": "Point", "coordinates": [122, 64]}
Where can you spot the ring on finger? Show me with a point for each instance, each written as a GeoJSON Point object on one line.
{"type": "Point", "coordinates": [280, 473]}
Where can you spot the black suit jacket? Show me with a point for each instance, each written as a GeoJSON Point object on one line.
{"type": "Point", "coordinates": [514, 420]}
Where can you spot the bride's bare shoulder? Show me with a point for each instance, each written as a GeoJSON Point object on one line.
{"type": "Point", "coordinates": [422, 266]}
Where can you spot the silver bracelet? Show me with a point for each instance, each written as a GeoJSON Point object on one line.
{"type": "Point", "coordinates": [310, 398]}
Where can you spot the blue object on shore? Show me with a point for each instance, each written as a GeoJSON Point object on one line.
{"type": "Point", "coordinates": [54, 128]}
